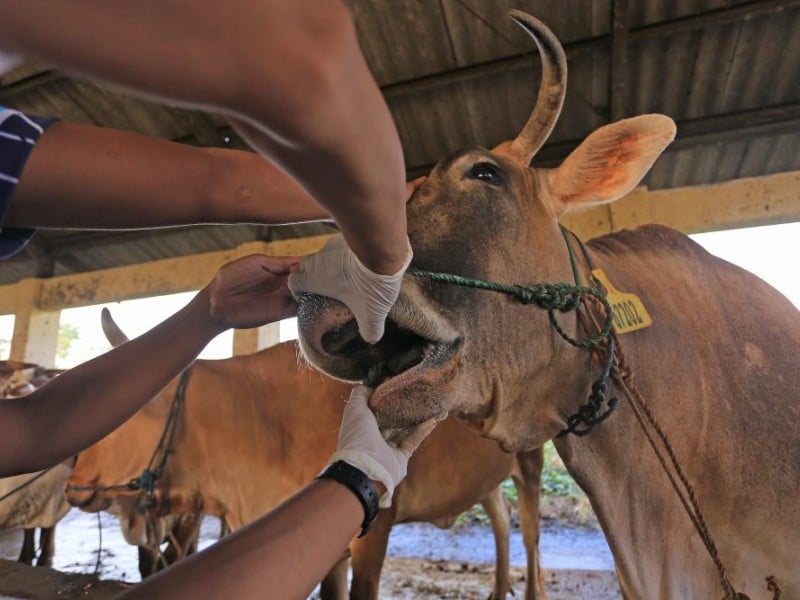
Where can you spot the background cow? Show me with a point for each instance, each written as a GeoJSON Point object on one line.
{"type": "Point", "coordinates": [39, 500]}
{"type": "Point", "coordinates": [255, 429]}
{"type": "Point", "coordinates": [718, 366]}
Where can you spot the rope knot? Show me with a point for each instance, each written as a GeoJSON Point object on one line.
{"type": "Point", "coordinates": [624, 373]}
{"type": "Point", "coordinates": [147, 481]}
{"type": "Point", "coordinates": [144, 501]}
{"type": "Point", "coordinates": [525, 295]}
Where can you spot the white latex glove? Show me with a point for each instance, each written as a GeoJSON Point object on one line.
{"type": "Point", "coordinates": [336, 272]}
{"type": "Point", "coordinates": [362, 445]}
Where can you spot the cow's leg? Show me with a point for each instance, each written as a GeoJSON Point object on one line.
{"type": "Point", "coordinates": [47, 546]}
{"type": "Point", "coordinates": [28, 551]}
{"type": "Point", "coordinates": [224, 528]}
{"type": "Point", "coordinates": [369, 553]}
{"type": "Point", "coordinates": [496, 508]}
{"type": "Point", "coordinates": [334, 586]}
{"type": "Point", "coordinates": [148, 561]}
{"type": "Point", "coordinates": [182, 540]}
{"type": "Point", "coordinates": [527, 476]}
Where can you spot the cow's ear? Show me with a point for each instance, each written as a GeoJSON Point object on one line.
{"type": "Point", "coordinates": [610, 162]}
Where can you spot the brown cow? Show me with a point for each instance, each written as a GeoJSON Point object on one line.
{"type": "Point", "coordinates": [718, 365]}
{"type": "Point", "coordinates": [256, 428]}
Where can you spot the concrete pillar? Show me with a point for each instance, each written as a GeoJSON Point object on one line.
{"type": "Point", "coordinates": [35, 338]}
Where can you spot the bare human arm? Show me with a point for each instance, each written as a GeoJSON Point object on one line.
{"type": "Point", "coordinates": [291, 73]}
{"type": "Point", "coordinates": [82, 405]}
{"type": "Point", "coordinates": [85, 177]}
{"type": "Point", "coordinates": [281, 555]}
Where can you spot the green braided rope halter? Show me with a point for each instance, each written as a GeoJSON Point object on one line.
{"type": "Point", "coordinates": [563, 297]}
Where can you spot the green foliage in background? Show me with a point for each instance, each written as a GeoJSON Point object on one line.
{"type": "Point", "coordinates": [555, 479]}
{"type": "Point", "coordinates": [510, 492]}
{"type": "Point", "coordinates": [67, 334]}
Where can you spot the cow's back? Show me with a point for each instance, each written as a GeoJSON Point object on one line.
{"type": "Point", "coordinates": [281, 424]}
{"type": "Point", "coordinates": [260, 426]}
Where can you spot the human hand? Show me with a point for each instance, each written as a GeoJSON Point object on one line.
{"type": "Point", "coordinates": [251, 291]}
{"type": "Point", "coordinates": [362, 445]}
{"type": "Point", "coordinates": [335, 271]}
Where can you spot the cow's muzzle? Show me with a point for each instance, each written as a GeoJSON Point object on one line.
{"type": "Point", "coordinates": [415, 336]}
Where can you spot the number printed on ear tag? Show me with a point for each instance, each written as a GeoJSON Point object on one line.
{"type": "Point", "coordinates": [628, 311]}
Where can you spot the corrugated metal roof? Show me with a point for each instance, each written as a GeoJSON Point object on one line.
{"type": "Point", "coordinates": [458, 73]}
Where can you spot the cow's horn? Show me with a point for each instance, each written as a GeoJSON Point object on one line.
{"type": "Point", "coordinates": [551, 91]}
{"type": "Point", "coordinates": [114, 334]}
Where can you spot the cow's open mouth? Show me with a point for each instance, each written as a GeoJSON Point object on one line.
{"type": "Point", "coordinates": [400, 353]}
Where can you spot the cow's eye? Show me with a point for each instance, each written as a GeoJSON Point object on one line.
{"type": "Point", "coordinates": [485, 172]}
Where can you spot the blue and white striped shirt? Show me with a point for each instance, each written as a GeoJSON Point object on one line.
{"type": "Point", "coordinates": [18, 135]}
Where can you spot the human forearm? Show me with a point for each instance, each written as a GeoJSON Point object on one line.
{"type": "Point", "coordinates": [82, 405]}
{"type": "Point", "coordinates": [90, 177]}
{"type": "Point", "coordinates": [281, 555]}
{"type": "Point", "coordinates": [351, 162]}
{"type": "Point", "coordinates": [279, 66]}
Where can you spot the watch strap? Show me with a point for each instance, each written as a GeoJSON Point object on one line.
{"type": "Point", "coordinates": [358, 483]}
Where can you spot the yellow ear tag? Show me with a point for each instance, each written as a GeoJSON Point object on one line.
{"type": "Point", "coordinates": [628, 311]}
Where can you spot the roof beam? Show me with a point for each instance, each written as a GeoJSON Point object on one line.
{"type": "Point", "coordinates": [165, 276]}
{"type": "Point", "coordinates": [749, 202]}
{"type": "Point", "coordinates": [83, 242]}
{"type": "Point", "coordinates": [712, 18]}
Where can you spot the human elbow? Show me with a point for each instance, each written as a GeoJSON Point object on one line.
{"type": "Point", "coordinates": [300, 77]}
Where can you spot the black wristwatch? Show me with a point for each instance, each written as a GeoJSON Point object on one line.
{"type": "Point", "coordinates": [359, 484]}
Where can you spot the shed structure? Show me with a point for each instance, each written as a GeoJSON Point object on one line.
{"type": "Point", "coordinates": [458, 73]}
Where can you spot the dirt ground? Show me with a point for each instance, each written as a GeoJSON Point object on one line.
{"type": "Point", "coordinates": [402, 579]}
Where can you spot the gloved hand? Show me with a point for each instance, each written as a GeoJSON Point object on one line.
{"type": "Point", "coordinates": [362, 445]}
{"type": "Point", "coordinates": [335, 271]}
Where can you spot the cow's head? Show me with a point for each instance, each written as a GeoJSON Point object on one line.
{"type": "Point", "coordinates": [486, 214]}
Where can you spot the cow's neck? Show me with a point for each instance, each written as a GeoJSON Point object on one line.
{"type": "Point", "coordinates": [657, 551]}
{"type": "Point", "coordinates": [601, 462]}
